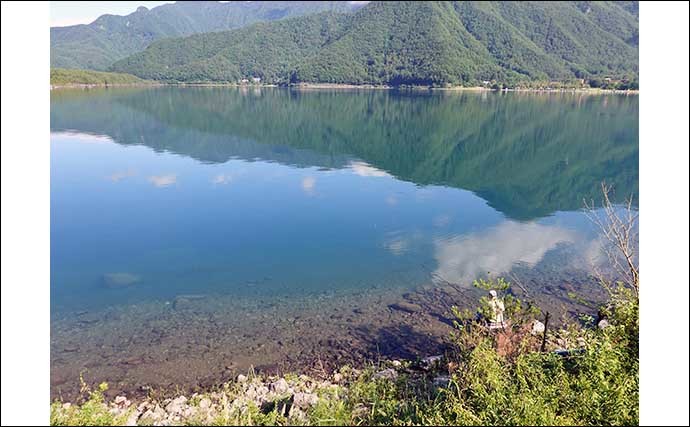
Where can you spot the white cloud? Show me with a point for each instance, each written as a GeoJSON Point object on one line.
{"type": "Point", "coordinates": [163, 180]}
{"type": "Point", "coordinates": [461, 259]}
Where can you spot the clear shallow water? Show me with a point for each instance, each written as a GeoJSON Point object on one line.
{"type": "Point", "coordinates": [287, 195]}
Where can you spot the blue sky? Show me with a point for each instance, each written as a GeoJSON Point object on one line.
{"type": "Point", "coordinates": [64, 13]}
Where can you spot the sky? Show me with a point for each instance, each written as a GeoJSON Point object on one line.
{"type": "Point", "coordinates": [63, 13]}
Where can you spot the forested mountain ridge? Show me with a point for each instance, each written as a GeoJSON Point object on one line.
{"type": "Point", "coordinates": [428, 43]}
{"type": "Point", "coordinates": [111, 37]}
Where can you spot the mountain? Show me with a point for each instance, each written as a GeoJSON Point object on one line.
{"type": "Point", "coordinates": [111, 37]}
{"type": "Point", "coordinates": [429, 43]}
{"type": "Point", "coordinates": [527, 155]}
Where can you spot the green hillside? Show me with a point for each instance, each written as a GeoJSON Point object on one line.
{"type": "Point", "coordinates": [61, 76]}
{"type": "Point", "coordinates": [417, 43]}
{"type": "Point", "coordinates": [111, 37]}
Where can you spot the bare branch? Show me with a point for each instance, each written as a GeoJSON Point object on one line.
{"type": "Point", "coordinates": [620, 231]}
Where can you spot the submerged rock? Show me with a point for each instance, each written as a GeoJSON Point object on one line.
{"type": "Point", "coordinates": [406, 307]}
{"type": "Point", "coordinates": [181, 300]}
{"type": "Point", "coordinates": [118, 280]}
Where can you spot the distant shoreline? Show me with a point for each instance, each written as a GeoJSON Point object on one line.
{"type": "Point", "coordinates": [339, 86]}
{"type": "Point", "coordinates": [101, 85]}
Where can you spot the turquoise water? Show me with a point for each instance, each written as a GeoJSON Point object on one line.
{"type": "Point", "coordinates": [279, 192]}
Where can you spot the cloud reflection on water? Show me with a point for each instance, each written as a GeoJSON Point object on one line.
{"type": "Point", "coordinates": [119, 176]}
{"type": "Point", "coordinates": [222, 179]}
{"type": "Point", "coordinates": [308, 185]}
{"type": "Point", "coordinates": [364, 169]}
{"type": "Point", "coordinates": [463, 258]}
{"type": "Point", "coordinates": [162, 181]}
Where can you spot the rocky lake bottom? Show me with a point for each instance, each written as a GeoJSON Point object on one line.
{"type": "Point", "coordinates": [193, 342]}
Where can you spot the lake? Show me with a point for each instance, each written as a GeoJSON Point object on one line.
{"type": "Point", "coordinates": [196, 232]}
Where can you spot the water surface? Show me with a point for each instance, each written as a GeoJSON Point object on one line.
{"type": "Point", "coordinates": [266, 204]}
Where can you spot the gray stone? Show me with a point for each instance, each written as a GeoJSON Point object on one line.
{"type": "Point", "coordinates": [241, 378]}
{"type": "Point", "coordinates": [537, 328]}
{"type": "Point", "coordinates": [431, 362]}
{"type": "Point", "coordinates": [133, 418]}
{"type": "Point", "coordinates": [305, 400]}
{"type": "Point", "coordinates": [205, 403]}
{"type": "Point", "coordinates": [176, 405]}
{"type": "Point", "coordinates": [441, 381]}
{"type": "Point", "coordinates": [122, 402]}
{"type": "Point", "coordinates": [257, 393]}
{"type": "Point", "coordinates": [155, 415]}
{"type": "Point", "coordinates": [603, 324]}
{"type": "Point", "coordinates": [387, 374]}
{"type": "Point", "coordinates": [281, 386]}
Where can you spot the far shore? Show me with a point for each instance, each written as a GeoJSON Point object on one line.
{"type": "Point", "coordinates": [339, 86]}
{"type": "Point", "coordinates": [102, 85]}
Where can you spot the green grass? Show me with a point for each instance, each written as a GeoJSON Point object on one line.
{"type": "Point", "coordinates": [93, 412]}
{"type": "Point", "coordinates": [64, 77]}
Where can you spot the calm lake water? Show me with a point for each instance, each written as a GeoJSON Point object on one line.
{"type": "Point", "coordinates": [196, 221]}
